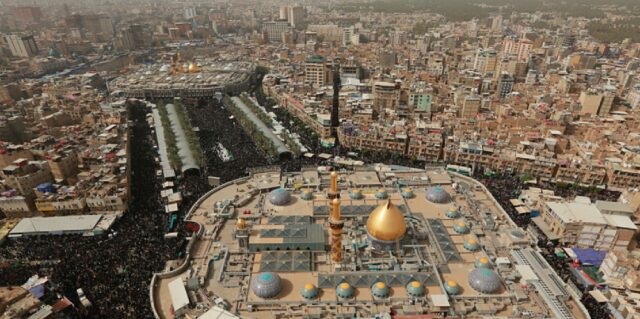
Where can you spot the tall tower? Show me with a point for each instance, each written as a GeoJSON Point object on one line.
{"type": "Point", "coordinates": [335, 111]}
{"type": "Point", "coordinates": [336, 224]}
{"type": "Point", "coordinates": [333, 189]}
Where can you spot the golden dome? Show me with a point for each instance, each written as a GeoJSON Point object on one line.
{"type": "Point", "coordinates": [452, 283]}
{"type": "Point", "coordinates": [241, 224]}
{"type": "Point", "coordinates": [386, 222]}
{"type": "Point", "coordinates": [309, 286]}
{"type": "Point", "coordinates": [415, 284]}
{"type": "Point", "coordinates": [334, 174]}
{"type": "Point", "coordinates": [484, 260]}
{"type": "Point", "coordinates": [344, 285]}
{"type": "Point", "coordinates": [380, 285]}
{"type": "Point", "coordinates": [193, 68]}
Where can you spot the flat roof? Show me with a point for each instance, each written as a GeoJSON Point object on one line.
{"type": "Point", "coordinates": [178, 292]}
{"type": "Point", "coordinates": [516, 202]}
{"type": "Point", "coordinates": [577, 212]}
{"type": "Point", "coordinates": [614, 206]}
{"type": "Point", "coordinates": [526, 272]}
{"type": "Point", "coordinates": [440, 300]}
{"type": "Point", "coordinates": [620, 221]}
{"type": "Point", "coordinates": [598, 296]}
{"type": "Point", "coordinates": [74, 223]}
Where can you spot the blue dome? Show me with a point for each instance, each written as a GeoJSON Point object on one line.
{"type": "Point", "coordinates": [380, 290]}
{"type": "Point", "coordinates": [279, 197]}
{"type": "Point", "coordinates": [309, 291]}
{"type": "Point", "coordinates": [382, 194]}
{"type": "Point", "coordinates": [452, 287]}
{"type": "Point", "coordinates": [307, 194]}
{"type": "Point", "coordinates": [407, 192]}
{"type": "Point", "coordinates": [484, 280]}
{"type": "Point", "coordinates": [461, 227]}
{"type": "Point", "coordinates": [345, 290]}
{"type": "Point", "coordinates": [471, 244]}
{"type": "Point", "coordinates": [415, 289]}
{"type": "Point", "coordinates": [356, 194]}
{"type": "Point", "coordinates": [438, 195]}
{"type": "Point", "coordinates": [452, 212]}
{"type": "Point", "coordinates": [266, 285]}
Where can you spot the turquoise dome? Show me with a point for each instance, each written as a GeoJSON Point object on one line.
{"type": "Point", "coordinates": [471, 244]}
{"type": "Point", "coordinates": [407, 192]}
{"type": "Point", "coordinates": [382, 194]}
{"type": "Point", "coordinates": [452, 212]}
{"type": "Point", "coordinates": [460, 227]}
{"type": "Point", "coordinates": [266, 285]}
{"type": "Point", "coordinates": [309, 291]}
{"type": "Point", "coordinates": [483, 262]}
{"type": "Point", "coordinates": [380, 289]}
{"type": "Point", "coordinates": [307, 194]}
{"type": "Point", "coordinates": [356, 194]}
{"type": "Point", "coordinates": [415, 289]}
{"type": "Point", "coordinates": [452, 287]}
{"type": "Point", "coordinates": [345, 290]}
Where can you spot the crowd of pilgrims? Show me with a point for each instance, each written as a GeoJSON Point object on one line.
{"type": "Point", "coordinates": [115, 270]}
{"type": "Point", "coordinates": [505, 187]}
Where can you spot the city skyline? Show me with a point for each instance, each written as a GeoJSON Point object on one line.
{"type": "Point", "coordinates": [308, 159]}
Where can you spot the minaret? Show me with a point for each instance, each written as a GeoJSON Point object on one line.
{"type": "Point", "coordinates": [336, 224]}
{"type": "Point", "coordinates": [242, 233]}
{"type": "Point", "coordinates": [333, 190]}
{"type": "Point", "coordinates": [335, 111]}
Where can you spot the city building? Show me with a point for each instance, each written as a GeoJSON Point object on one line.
{"type": "Point", "coordinates": [505, 84]}
{"type": "Point", "coordinates": [23, 46]}
{"type": "Point", "coordinates": [275, 29]}
{"type": "Point", "coordinates": [293, 14]}
{"type": "Point", "coordinates": [470, 106]}
{"type": "Point", "coordinates": [315, 71]}
{"type": "Point", "coordinates": [582, 224]}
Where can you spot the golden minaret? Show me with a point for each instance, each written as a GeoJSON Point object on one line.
{"type": "Point", "coordinates": [336, 224]}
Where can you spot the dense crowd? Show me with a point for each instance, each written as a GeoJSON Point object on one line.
{"type": "Point", "coordinates": [508, 186]}
{"type": "Point", "coordinates": [505, 187]}
{"type": "Point", "coordinates": [216, 126]}
{"type": "Point", "coordinates": [115, 270]}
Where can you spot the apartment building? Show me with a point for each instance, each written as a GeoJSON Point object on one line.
{"type": "Point", "coordinates": [584, 174]}
{"type": "Point", "coordinates": [580, 223]}
{"type": "Point", "coordinates": [64, 166]}
{"type": "Point", "coordinates": [623, 175]}
{"type": "Point", "coordinates": [386, 95]}
{"type": "Point", "coordinates": [275, 29]}
{"type": "Point", "coordinates": [315, 71]}
{"type": "Point", "coordinates": [13, 205]}
{"type": "Point", "coordinates": [24, 175]}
